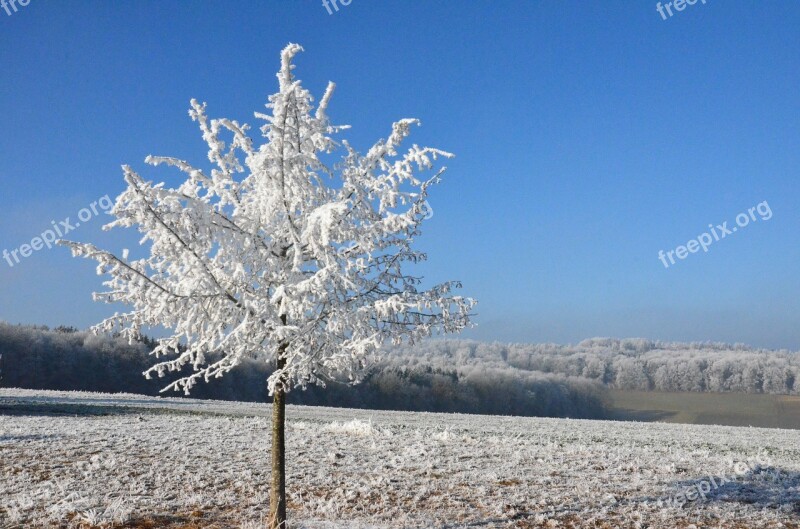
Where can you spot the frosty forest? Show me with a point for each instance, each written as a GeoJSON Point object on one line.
{"type": "Point", "coordinates": [440, 375]}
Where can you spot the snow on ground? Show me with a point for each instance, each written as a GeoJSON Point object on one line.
{"type": "Point", "coordinates": [93, 460]}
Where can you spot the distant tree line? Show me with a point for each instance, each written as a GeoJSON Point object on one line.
{"type": "Point", "coordinates": [64, 358]}
{"type": "Point", "coordinates": [632, 364]}
{"type": "Point", "coordinates": [439, 375]}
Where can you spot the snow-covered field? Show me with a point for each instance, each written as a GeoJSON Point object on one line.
{"type": "Point", "coordinates": [92, 460]}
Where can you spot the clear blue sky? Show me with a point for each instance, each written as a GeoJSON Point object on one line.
{"type": "Point", "coordinates": [589, 136]}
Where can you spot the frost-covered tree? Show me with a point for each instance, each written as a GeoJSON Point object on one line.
{"type": "Point", "coordinates": [278, 254]}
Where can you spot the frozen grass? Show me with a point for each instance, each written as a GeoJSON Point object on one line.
{"type": "Point", "coordinates": [89, 460]}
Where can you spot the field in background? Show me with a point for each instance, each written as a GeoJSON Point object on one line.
{"type": "Point", "coordinates": [730, 409]}
{"type": "Point", "coordinates": [125, 461]}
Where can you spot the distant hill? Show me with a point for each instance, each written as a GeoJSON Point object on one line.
{"type": "Point", "coordinates": [37, 357]}
{"type": "Point", "coordinates": [439, 375]}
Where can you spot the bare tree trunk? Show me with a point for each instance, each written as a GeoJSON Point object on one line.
{"type": "Point", "coordinates": [277, 498]}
